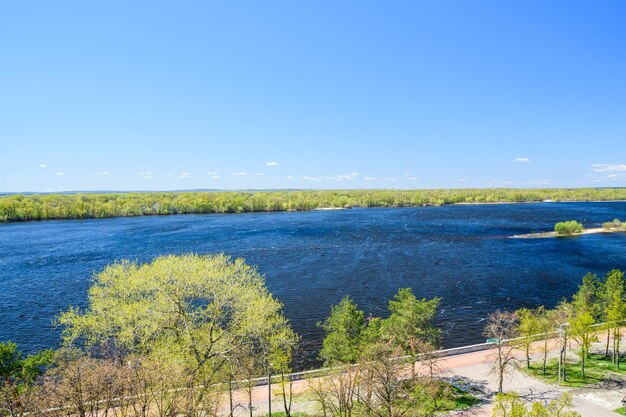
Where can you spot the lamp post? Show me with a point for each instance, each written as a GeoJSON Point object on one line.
{"type": "Point", "coordinates": [624, 404]}
{"type": "Point", "coordinates": [269, 389]}
{"type": "Point", "coordinates": [560, 354]}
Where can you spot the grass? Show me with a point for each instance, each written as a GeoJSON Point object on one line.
{"type": "Point", "coordinates": [464, 400]}
{"type": "Point", "coordinates": [597, 369]}
{"type": "Point", "coordinates": [620, 411]}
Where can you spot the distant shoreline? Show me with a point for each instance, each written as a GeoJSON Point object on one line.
{"type": "Point", "coordinates": [80, 206]}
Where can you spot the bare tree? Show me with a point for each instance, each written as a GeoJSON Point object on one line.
{"type": "Point", "coordinates": [82, 386]}
{"type": "Point", "coordinates": [389, 392]}
{"type": "Point", "coordinates": [500, 327]}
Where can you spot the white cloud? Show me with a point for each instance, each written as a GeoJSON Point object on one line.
{"type": "Point", "coordinates": [543, 181]}
{"type": "Point", "coordinates": [60, 174]}
{"type": "Point", "coordinates": [311, 179]}
{"type": "Point", "coordinates": [259, 174]}
{"type": "Point", "coordinates": [608, 167]}
{"type": "Point", "coordinates": [184, 174]}
{"type": "Point", "coordinates": [146, 175]}
{"type": "Point", "coordinates": [607, 172]}
{"type": "Point", "coordinates": [216, 176]}
{"type": "Point", "coordinates": [289, 177]}
{"type": "Point", "coordinates": [369, 179]}
{"type": "Point", "coordinates": [272, 164]}
{"type": "Point", "coordinates": [342, 177]}
{"type": "Point", "coordinates": [240, 173]}
{"type": "Point", "coordinates": [103, 173]}
{"type": "Point", "coordinates": [413, 179]}
{"type": "Point", "coordinates": [523, 160]}
{"type": "Point", "coordinates": [43, 166]}
{"type": "Point", "coordinates": [212, 173]}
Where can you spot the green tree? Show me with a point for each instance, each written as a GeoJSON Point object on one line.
{"type": "Point", "coordinates": [199, 310]}
{"type": "Point", "coordinates": [411, 323]}
{"type": "Point", "coordinates": [583, 332]}
{"type": "Point", "coordinates": [527, 329]}
{"type": "Point", "coordinates": [545, 322]}
{"type": "Point", "coordinates": [568, 228]}
{"type": "Point", "coordinates": [511, 405]}
{"type": "Point", "coordinates": [587, 298]}
{"type": "Point", "coordinates": [559, 407]}
{"type": "Point", "coordinates": [344, 329]}
{"type": "Point", "coordinates": [17, 377]}
{"type": "Point", "coordinates": [615, 308]}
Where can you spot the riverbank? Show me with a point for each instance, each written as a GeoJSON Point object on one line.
{"type": "Point", "coordinates": [592, 231]}
{"type": "Point", "coordinates": [85, 205]}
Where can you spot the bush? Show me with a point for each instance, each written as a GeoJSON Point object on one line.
{"type": "Point", "coordinates": [568, 228]}
{"type": "Point", "coordinates": [615, 224]}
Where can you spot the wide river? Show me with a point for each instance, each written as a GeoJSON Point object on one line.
{"type": "Point", "coordinates": [312, 259]}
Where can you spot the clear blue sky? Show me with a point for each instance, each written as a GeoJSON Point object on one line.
{"type": "Point", "coordinates": [311, 94]}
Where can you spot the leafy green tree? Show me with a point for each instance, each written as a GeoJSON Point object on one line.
{"type": "Point", "coordinates": [527, 329]}
{"type": "Point", "coordinates": [587, 298]}
{"type": "Point", "coordinates": [583, 331]}
{"type": "Point", "coordinates": [17, 377]}
{"type": "Point", "coordinates": [509, 405]}
{"type": "Point", "coordinates": [344, 329]}
{"type": "Point", "coordinates": [411, 323]}
{"type": "Point", "coordinates": [568, 228]}
{"type": "Point", "coordinates": [201, 311]}
{"type": "Point", "coordinates": [559, 407]}
{"type": "Point", "coordinates": [615, 308]}
{"type": "Point", "coordinates": [546, 324]}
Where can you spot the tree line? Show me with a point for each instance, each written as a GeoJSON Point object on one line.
{"type": "Point", "coordinates": [598, 306]}
{"type": "Point", "coordinates": [26, 207]}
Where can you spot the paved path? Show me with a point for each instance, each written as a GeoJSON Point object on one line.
{"type": "Point", "coordinates": [473, 368]}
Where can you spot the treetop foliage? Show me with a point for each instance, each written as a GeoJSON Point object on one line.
{"type": "Point", "coordinates": [568, 228]}
{"type": "Point", "coordinates": [192, 308]}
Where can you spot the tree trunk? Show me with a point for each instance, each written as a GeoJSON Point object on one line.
{"type": "Point", "coordinates": [608, 338]}
{"type": "Point", "coordinates": [619, 337]}
{"type": "Point", "coordinates": [583, 362]}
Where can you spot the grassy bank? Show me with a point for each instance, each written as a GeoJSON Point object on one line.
{"type": "Point", "coordinates": [598, 368]}
{"type": "Point", "coordinates": [18, 207]}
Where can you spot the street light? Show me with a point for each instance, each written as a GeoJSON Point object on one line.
{"type": "Point", "coordinates": [269, 389]}
{"type": "Point", "coordinates": [560, 355]}
{"type": "Point", "coordinates": [624, 404]}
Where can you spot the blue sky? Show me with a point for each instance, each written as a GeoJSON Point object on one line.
{"type": "Point", "coordinates": [311, 94]}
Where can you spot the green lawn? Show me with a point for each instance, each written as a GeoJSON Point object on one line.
{"type": "Point", "coordinates": [597, 368]}
{"type": "Point", "coordinates": [620, 411]}
{"type": "Point", "coordinates": [463, 400]}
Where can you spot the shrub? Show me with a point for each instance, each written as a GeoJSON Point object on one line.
{"type": "Point", "coordinates": [615, 224]}
{"type": "Point", "coordinates": [568, 228]}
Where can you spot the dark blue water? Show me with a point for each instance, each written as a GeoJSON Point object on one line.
{"type": "Point", "coordinates": [312, 259]}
